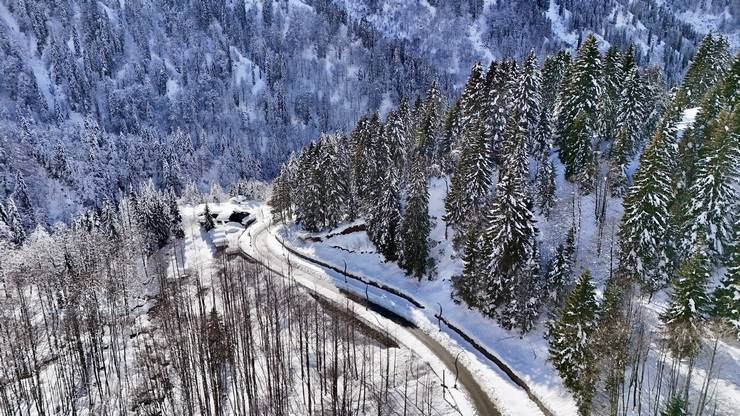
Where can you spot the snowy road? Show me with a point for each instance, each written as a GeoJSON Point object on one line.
{"type": "Point", "coordinates": [470, 396]}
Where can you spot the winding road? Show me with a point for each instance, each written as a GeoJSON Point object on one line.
{"type": "Point", "coordinates": [259, 244]}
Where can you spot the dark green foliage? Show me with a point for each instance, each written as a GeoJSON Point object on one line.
{"type": "Point", "coordinates": [570, 339]}
{"type": "Point", "coordinates": [416, 226]}
{"type": "Point", "coordinates": [208, 224]}
{"type": "Point", "coordinates": [578, 117]}
{"type": "Point", "coordinates": [689, 306]}
{"type": "Point", "coordinates": [676, 406]}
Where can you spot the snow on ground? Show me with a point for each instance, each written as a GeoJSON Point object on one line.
{"type": "Point", "coordinates": [200, 258]}
{"type": "Point", "coordinates": [527, 355]}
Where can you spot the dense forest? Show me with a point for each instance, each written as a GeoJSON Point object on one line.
{"type": "Point", "coordinates": [500, 142]}
{"type": "Point", "coordinates": [99, 96]}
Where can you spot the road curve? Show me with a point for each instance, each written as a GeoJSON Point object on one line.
{"type": "Point", "coordinates": [254, 244]}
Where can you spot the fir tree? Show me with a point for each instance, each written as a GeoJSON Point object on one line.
{"type": "Point", "coordinates": [715, 198]}
{"type": "Point", "coordinates": [510, 223]}
{"type": "Point", "coordinates": [208, 223]}
{"type": "Point", "coordinates": [416, 225]}
{"type": "Point", "coordinates": [570, 339]}
{"type": "Point", "coordinates": [527, 99]}
{"type": "Point", "coordinates": [676, 406]}
{"type": "Point", "coordinates": [645, 235]}
{"type": "Point", "coordinates": [495, 109]}
{"type": "Point", "coordinates": [554, 72]}
{"type": "Point", "coordinates": [689, 306]}
{"type": "Point", "coordinates": [726, 296]}
{"type": "Point", "coordinates": [470, 285]}
{"type": "Point", "coordinates": [546, 187]}
{"type": "Point", "coordinates": [383, 223]}
{"type": "Point", "coordinates": [560, 270]}
{"type": "Point", "coordinates": [175, 218]}
{"type": "Point", "coordinates": [577, 109]}
{"type": "Point", "coordinates": [706, 69]}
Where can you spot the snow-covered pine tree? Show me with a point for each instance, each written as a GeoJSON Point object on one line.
{"type": "Point", "coordinates": [6, 233]}
{"type": "Point", "coordinates": [175, 218]}
{"type": "Point", "coordinates": [554, 73]}
{"type": "Point", "coordinates": [416, 226]}
{"type": "Point", "coordinates": [676, 406]}
{"type": "Point", "coordinates": [631, 115]}
{"type": "Point", "coordinates": [471, 105]}
{"type": "Point", "coordinates": [560, 271]}
{"type": "Point", "coordinates": [726, 296]}
{"type": "Point", "coordinates": [469, 286]}
{"type": "Point", "coordinates": [395, 137]}
{"type": "Point", "coordinates": [23, 203]}
{"type": "Point", "coordinates": [451, 129]}
{"type": "Point", "coordinates": [609, 99]}
{"type": "Point", "coordinates": [645, 238]}
{"type": "Point", "coordinates": [510, 229]}
{"type": "Point", "coordinates": [208, 223]}
{"type": "Point", "coordinates": [384, 219]}
{"type": "Point", "coordinates": [689, 305]}
{"type": "Point", "coordinates": [714, 204]}
{"type": "Point", "coordinates": [706, 69]}
{"type": "Point", "coordinates": [527, 296]}
{"type": "Point", "coordinates": [546, 187]}
{"type": "Point", "coordinates": [577, 110]}
{"type": "Point", "coordinates": [428, 132]}
{"type": "Point", "coordinates": [570, 339]}
{"type": "Point", "coordinates": [495, 109]}
{"type": "Point", "coordinates": [527, 99]}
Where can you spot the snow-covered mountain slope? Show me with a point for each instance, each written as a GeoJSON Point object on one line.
{"type": "Point", "coordinates": [453, 34]}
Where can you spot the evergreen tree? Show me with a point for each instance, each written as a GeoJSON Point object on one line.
{"type": "Point", "coordinates": [560, 270]}
{"type": "Point", "coordinates": [510, 223]}
{"type": "Point", "coordinates": [715, 198]}
{"type": "Point", "coordinates": [208, 223]}
{"type": "Point", "coordinates": [726, 296]}
{"type": "Point", "coordinates": [23, 203]}
{"type": "Point", "coordinates": [629, 130]}
{"type": "Point", "coordinates": [384, 220]}
{"type": "Point", "coordinates": [610, 97]}
{"type": "Point", "coordinates": [416, 225]}
{"type": "Point", "coordinates": [577, 111]}
{"type": "Point", "coordinates": [175, 219]}
{"type": "Point", "coordinates": [706, 69]}
{"type": "Point", "coordinates": [554, 72]}
{"type": "Point", "coordinates": [645, 235]}
{"type": "Point", "coordinates": [471, 178]}
{"type": "Point", "coordinates": [495, 109]}
{"type": "Point", "coordinates": [676, 406]}
{"type": "Point", "coordinates": [527, 100]}
{"type": "Point", "coordinates": [689, 306]}
{"type": "Point", "coordinates": [471, 284]}
{"type": "Point", "coordinates": [15, 223]}
{"type": "Point", "coordinates": [546, 187]}
{"type": "Point", "coordinates": [570, 338]}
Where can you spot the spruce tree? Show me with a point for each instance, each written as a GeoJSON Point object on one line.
{"type": "Point", "coordinates": [384, 220]}
{"type": "Point", "coordinates": [645, 235]}
{"type": "Point", "coordinates": [546, 187]}
{"type": "Point", "coordinates": [570, 342]}
{"type": "Point", "coordinates": [577, 110]}
{"type": "Point", "coordinates": [726, 296]}
{"type": "Point", "coordinates": [676, 406]}
{"type": "Point", "coordinates": [560, 271]}
{"type": "Point", "coordinates": [714, 204]}
{"type": "Point", "coordinates": [495, 109]}
{"type": "Point", "coordinates": [527, 99]}
{"type": "Point", "coordinates": [471, 284]}
{"type": "Point", "coordinates": [706, 69]}
{"type": "Point", "coordinates": [208, 223]}
{"type": "Point", "coordinates": [689, 305]}
{"type": "Point", "coordinates": [510, 227]}
{"type": "Point", "coordinates": [416, 225]}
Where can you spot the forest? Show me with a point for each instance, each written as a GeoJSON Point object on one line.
{"type": "Point", "coordinates": [619, 135]}
{"type": "Point", "coordinates": [561, 177]}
